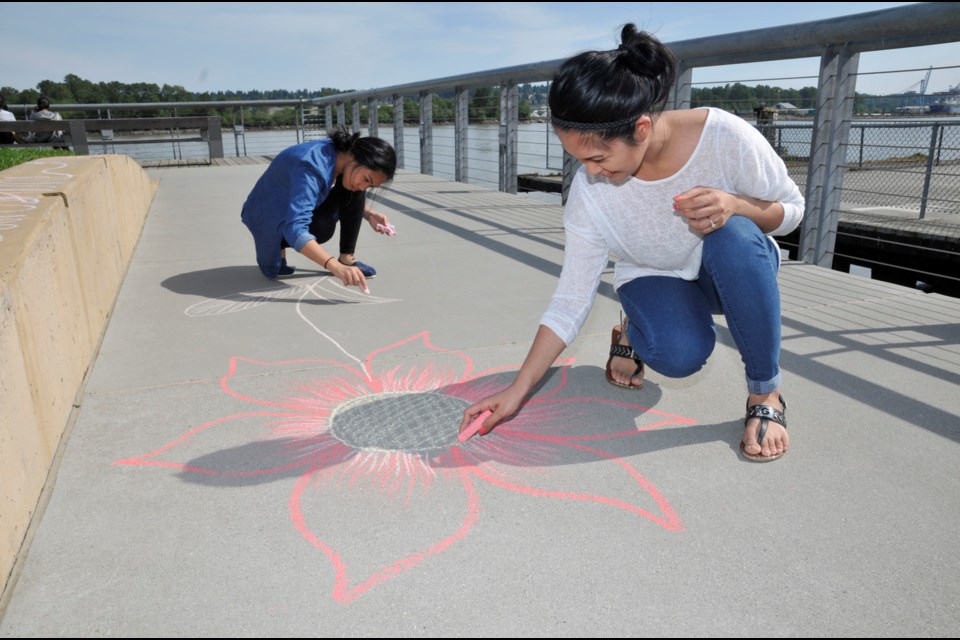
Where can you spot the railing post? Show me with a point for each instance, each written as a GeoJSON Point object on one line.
{"type": "Point", "coordinates": [300, 122]}
{"type": "Point", "coordinates": [373, 117]}
{"type": "Point", "coordinates": [683, 87]}
{"type": "Point", "coordinates": [509, 117]}
{"type": "Point", "coordinates": [174, 133]}
{"type": "Point", "coordinates": [214, 137]}
{"type": "Point", "coordinates": [863, 135]}
{"type": "Point", "coordinates": [398, 128]}
{"type": "Point", "coordinates": [78, 137]}
{"type": "Point", "coordinates": [242, 131]}
{"type": "Point", "coordinates": [461, 126]}
{"type": "Point", "coordinates": [929, 173]}
{"type": "Point", "coordinates": [327, 117]}
{"type": "Point", "coordinates": [835, 97]}
{"type": "Point", "coordinates": [570, 166]}
{"type": "Point", "coordinates": [237, 132]}
{"type": "Point", "coordinates": [355, 117]}
{"type": "Point", "coordinates": [341, 115]}
{"type": "Point", "coordinates": [426, 132]}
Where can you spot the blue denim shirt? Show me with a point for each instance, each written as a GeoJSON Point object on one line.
{"type": "Point", "coordinates": [282, 202]}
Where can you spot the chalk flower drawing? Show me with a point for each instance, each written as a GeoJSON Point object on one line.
{"type": "Point", "coordinates": [383, 431]}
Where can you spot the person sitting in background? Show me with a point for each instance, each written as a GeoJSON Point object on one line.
{"type": "Point", "coordinates": [43, 114]}
{"type": "Point", "coordinates": [6, 137]}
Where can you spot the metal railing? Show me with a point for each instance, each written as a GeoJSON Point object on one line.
{"type": "Point", "coordinates": [910, 166]}
{"type": "Point", "coordinates": [134, 140]}
{"type": "Point", "coordinates": [77, 132]}
{"type": "Point", "coordinates": [831, 156]}
{"type": "Point", "coordinates": [826, 164]}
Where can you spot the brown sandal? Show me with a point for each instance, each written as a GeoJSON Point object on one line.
{"type": "Point", "coordinates": [618, 350]}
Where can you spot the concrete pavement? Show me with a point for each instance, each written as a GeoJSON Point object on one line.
{"type": "Point", "coordinates": [256, 458]}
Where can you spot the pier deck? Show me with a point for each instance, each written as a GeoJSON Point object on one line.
{"type": "Point", "coordinates": [257, 458]}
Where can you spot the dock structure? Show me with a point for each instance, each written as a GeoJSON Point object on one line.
{"type": "Point", "coordinates": [892, 241]}
{"type": "Point", "coordinates": [279, 458]}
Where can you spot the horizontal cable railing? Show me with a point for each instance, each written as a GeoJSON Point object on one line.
{"type": "Point", "coordinates": [469, 128]}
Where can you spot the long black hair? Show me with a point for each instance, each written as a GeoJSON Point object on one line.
{"type": "Point", "coordinates": [602, 93]}
{"type": "Point", "coordinates": [373, 153]}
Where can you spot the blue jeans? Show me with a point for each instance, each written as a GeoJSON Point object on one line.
{"type": "Point", "coordinates": [671, 320]}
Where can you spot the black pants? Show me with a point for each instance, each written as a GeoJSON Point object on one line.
{"type": "Point", "coordinates": [343, 206]}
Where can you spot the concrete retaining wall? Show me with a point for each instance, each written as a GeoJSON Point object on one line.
{"type": "Point", "coordinates": [68, 227]}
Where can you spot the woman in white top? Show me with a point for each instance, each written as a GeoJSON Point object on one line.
{"type": "Point", "coordinates": [686, 201]}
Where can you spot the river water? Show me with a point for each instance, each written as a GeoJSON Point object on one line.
{"type": "Point", "coordinates": [539, 151]}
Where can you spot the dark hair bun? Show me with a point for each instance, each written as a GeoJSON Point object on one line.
{"type": "Point", "coordinates": [644, 55]}
{"type": "Point", "coordinates": [343, 140]}
{"type": "Point", "coordinates": [604, 92]}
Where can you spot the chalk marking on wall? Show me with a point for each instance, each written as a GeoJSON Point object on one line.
{"type": "Point", "coordinates": [35, 186]}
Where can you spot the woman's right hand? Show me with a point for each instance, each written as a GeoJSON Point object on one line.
{"type": "Point", "coordinates": [501, 405]}
{"type": "Point", "coordinates": [546, 348]}
{"type": "Point", "coordinates": [349, 276]}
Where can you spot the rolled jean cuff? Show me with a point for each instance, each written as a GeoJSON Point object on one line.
{"type": "Point", "coordinates": [761, 387]}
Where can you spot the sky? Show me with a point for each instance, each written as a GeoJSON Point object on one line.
{"type": "Point", "coordinates": [205, 46]}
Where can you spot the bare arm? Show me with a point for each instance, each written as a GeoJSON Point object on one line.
{"type": "Point", "coordinates": [703, 205]}
{"type": "Point", "coordinates": [377, 220]}
{"type": "Point", "coordinates": [546, 348]}
{"type": "Point", "coordinates": [348, 275]}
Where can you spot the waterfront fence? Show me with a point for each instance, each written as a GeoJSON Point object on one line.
{"type": "Point", "coordinates": [838, 162]}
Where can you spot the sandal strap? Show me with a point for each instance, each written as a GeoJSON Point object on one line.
{"type": "Point", "coordinates": [623, 351]}
{"type": "Point", "coordinates": [783, 413]}
{"type": "Point", "coordinates": [765, 412]}
{"type": "Point", "coordinates": [618, 350]}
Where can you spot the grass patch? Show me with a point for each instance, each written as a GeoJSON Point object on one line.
{"type": "Point", "coordinates": [917, 157]}
{"type": "Point", "coordinates": [11, 156]}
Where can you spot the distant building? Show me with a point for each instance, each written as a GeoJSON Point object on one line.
{"type": "Point", "coordinates": [912, 109]}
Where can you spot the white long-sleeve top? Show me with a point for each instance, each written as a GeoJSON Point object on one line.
{"type": "Point", "coordinates": [636, 223]}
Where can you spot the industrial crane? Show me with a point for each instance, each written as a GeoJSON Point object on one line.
{"type": "Point", "coordinates": [922, 85]}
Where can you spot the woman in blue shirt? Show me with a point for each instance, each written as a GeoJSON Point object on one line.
{"type": "Point", "coordinates": [307, 189]}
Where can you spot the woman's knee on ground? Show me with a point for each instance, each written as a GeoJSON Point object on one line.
{"type": "Point", "coordinates": [678, 355]}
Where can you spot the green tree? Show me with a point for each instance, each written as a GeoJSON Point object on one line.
{"type": "Point", "coordinates": [56, 91]}
{"type": "Point", "coordinates": [524, 110]}
{"type": "Point", "coordinates": [411, 112]}
{"type": "Point", "coordinates": [285, 117]}
{"type": "Point", "coordinates": [484, 104]}
{"type": "Point", "coordinates": [443, 109]}
{"type": "Point", "coordinates": [83, 91]}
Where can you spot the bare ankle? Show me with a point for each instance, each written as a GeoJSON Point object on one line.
{"type": "Point", "coordinates": [769, 399]}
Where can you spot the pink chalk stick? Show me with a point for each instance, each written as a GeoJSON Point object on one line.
{"type": "Point", "coordinates": [474, 427]}
{"type": "Point", "coordinates": [389, 229]}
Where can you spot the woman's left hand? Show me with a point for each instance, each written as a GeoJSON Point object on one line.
{"type": "Point", "coordinates": [378, 221]}
{"type": "Point", "coordinates": [705, 209]}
